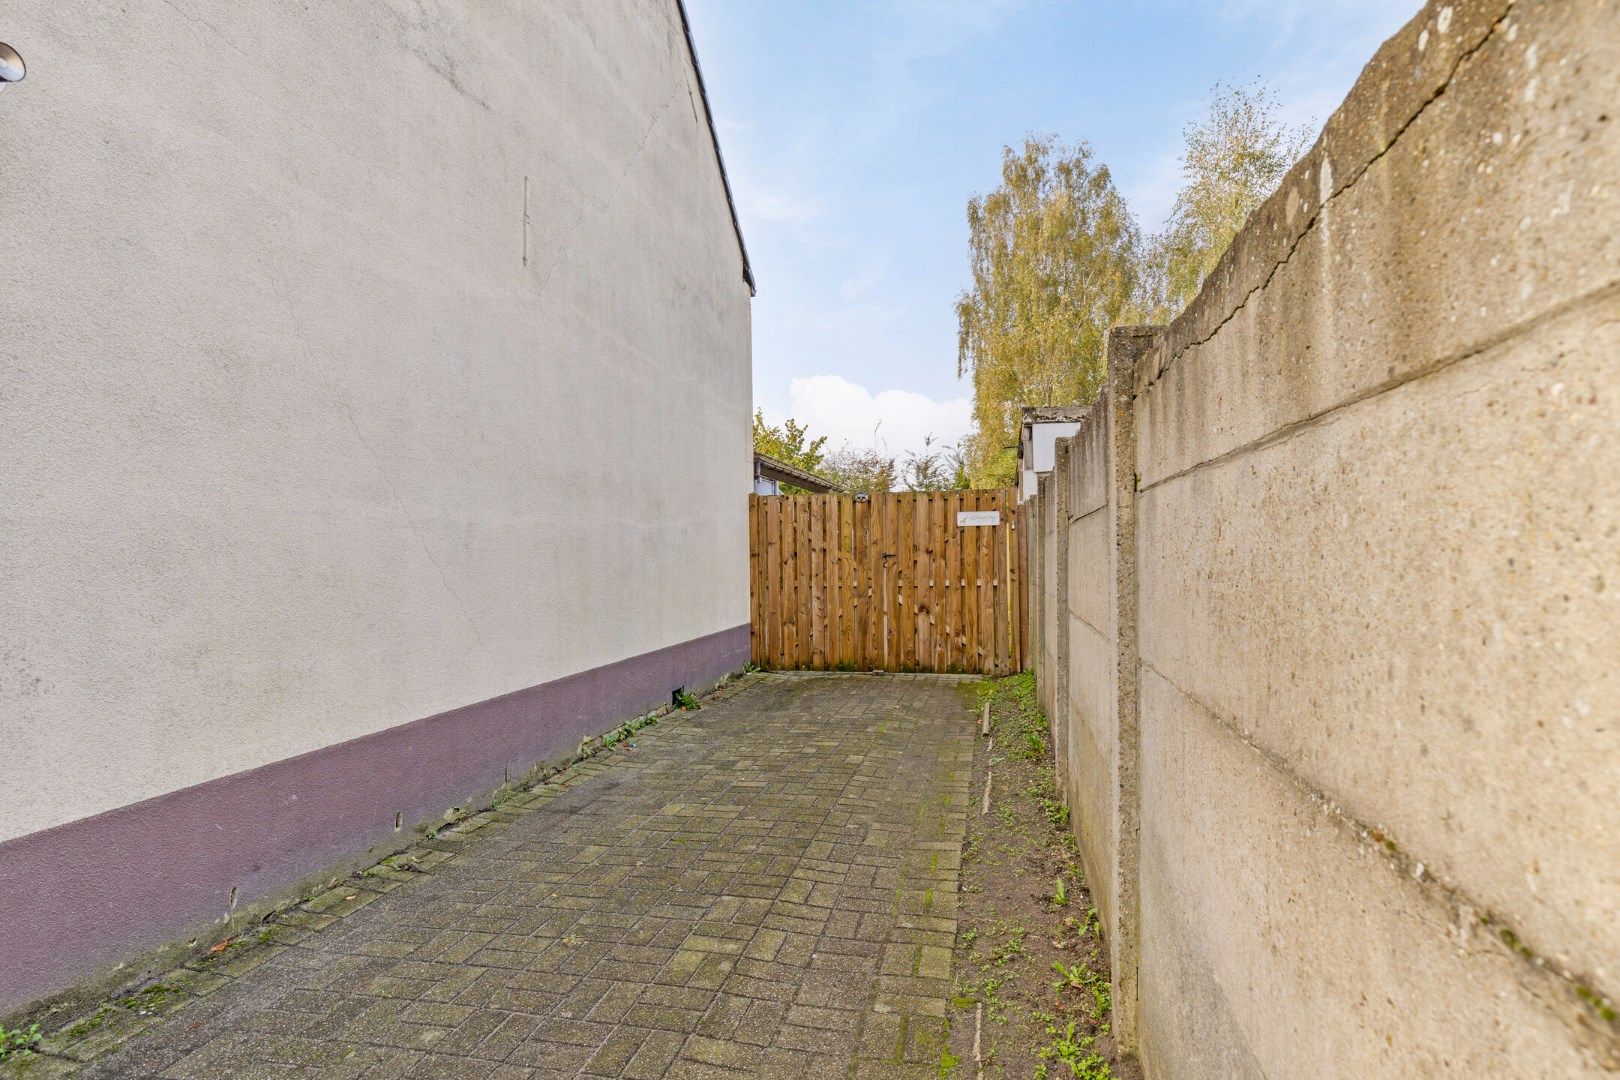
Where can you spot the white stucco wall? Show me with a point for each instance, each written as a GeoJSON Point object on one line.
{"type": "Point", "coordinates": [303, 432]}
{"type": "Point", "coordinates": [1043, 442]}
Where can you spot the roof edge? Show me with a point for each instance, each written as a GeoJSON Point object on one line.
{"type": "Point", "coordinates": [714, 138]}
{"type": "Point", "coordinates": [783, 473]}
{"type": "Point", "coordinates": [1053, 414]}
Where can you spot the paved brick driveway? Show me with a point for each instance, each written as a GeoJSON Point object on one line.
{"type": "Point", "coordinates": [766, 888]}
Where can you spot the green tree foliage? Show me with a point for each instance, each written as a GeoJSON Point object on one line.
{"type": "Point", "coordinates": [935, 467]}
{"type": "Point", "coordinates": [1055, 262]}
{"type": "Point", "coordinates": [790, 444]}
{"type": "Point", "coordinates": [861, 470]}
{"type": "Point", "coordinates": [1231, 161]}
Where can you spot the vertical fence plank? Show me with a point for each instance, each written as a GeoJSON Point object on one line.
{"type": "Point", "coordinates": [883, 515]}
{"type": "Point", "coordinates": [756, 592]}
{"type": "Point", "coordinates": [945, 626]}
{"type": "Point", "coordinates": [873, 559]}
{"type": "Point", "coordinates": [857, 575]}
{"type": "Point", "coordinates": [987, 569]}
{"type": "Point", "coordinates": [790, 573]}
{"type": "Point", "coordinates": [834, 593]}
{"type": "Point", "coordinates": [852, 600]}
{"type": "Point", "coordinates": [797, 599]}
{"type": "Point", "coordinates": [922, 580]}
{"type": "Point", "coordinates": [970, 571]}
{"type": "Point", "coordinates": [1006, 597]}
{"type": "Point", "coordinates": [818, 581]}
{"type": "Point", "coordinates": [950, 569]}
{"type": "Point", "coordinates": [807, 581]}
{"type": "Point", "coordinates": [992, 590]}
{"type": "Point", "coordinates": [767, 613]}
{"type": "Point", "coordinates": [904, 588]}
{"type": "Point", "coordinates": [773, 583]}
{"type": "Point", "coordinates": [891, 550]}
{"type": "Point", "coordinates": [998, 585]}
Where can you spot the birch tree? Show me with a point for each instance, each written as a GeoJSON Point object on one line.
{"type": "Point", "coordinates": [1055, 263]}
{"type": "Point", "coordinates": [1231, 161]}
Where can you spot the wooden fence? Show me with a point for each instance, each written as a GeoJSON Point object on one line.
{"type": "Point", "coordinates": [893, 583]}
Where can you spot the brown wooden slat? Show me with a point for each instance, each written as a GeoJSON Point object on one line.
{"type": "Point", "coordinates": [872, 562]}
{"type": "Point", "coordinates": [952, 565]}
{"type": "Point", "coordinates": [836, 601]}
{"type": "Point", "coordinates": [790, 582]}
{"type": "Point", "coordinates": [998, 585]}
{"type": "Point", "coordinates": [885, 550]}
{"type": "Point", "coordinates": [773, 582]}
{"type": "Point", "coordinates": [905, 618]}
{"type": "Point", "coordinates": [942, 587]}
{"type": "Point", "coordinates": [818, 582]}
{"type": "Point", "coordinates": [807, 581]}
{"type": "Point", "coordinates": [902, 613]}
{"type": "Point", "coordinates": [924, 583]}
{"type": "Point", "coordinates": [852, 573]}
{"type": "Point", "coordinates": [987, 572]}
{"type": "Point", "coordinates": [756, 583]}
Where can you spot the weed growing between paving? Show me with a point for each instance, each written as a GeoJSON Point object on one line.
{"type": "Point", "coordinates": [1029, 949]}
{"type": "Point", "coordinates": [17, 1044]}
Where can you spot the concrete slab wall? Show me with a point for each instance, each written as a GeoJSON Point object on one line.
{"type": "Point", "coordinates": [364, 362]}
{"type": "Point", "coordinates": [1046, 511]}
{"type": "Point", "coordinates": [1377, 511]}
{"type": "Point", "coordinates": [1090, 713]}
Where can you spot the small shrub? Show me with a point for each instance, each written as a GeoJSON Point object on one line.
{"type": "Point", "coordinates": [1074, 1050]}
{"type": "Point", "coordinates": [17, 1044]}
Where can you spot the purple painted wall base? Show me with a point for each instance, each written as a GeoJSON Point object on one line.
{"type": "Point", "coordinates": [80, 897]}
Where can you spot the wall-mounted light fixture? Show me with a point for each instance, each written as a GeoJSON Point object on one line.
{"type": "Point", "coordinates": [12, 68]}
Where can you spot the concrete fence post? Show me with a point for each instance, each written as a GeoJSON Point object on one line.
{"type": "Point", "coordinates": [1058, 717]}
{"type": "Point", "coordinates": [1043, 659]}
{"type": "Point", "coordinates": [1036, 584]}
{"type": "Point", "coordinates": [1126, 347]}
{"type": "Point", "coordinates": [1029, 526]}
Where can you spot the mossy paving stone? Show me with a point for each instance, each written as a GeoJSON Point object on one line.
{"type": "Point", "coordinates": [713, 895]}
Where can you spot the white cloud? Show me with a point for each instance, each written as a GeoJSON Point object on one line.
{"type": "Point", "coordinates": [898, 420]}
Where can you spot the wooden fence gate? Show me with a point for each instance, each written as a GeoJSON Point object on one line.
{"type": "Point", "coordinates": [896, 582]}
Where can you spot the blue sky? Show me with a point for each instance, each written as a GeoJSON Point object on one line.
{"type": "Point", "coordinates": [855, 131]}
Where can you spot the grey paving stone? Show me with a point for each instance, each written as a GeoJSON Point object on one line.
{"type": "Point", "coordinates": [765, 887]}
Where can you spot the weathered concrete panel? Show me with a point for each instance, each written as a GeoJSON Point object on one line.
{"type": "Point", "coordinates": [1091, 719]}
{"type": "Point", "coordinates": [1091, 586]}
{"type": "Point", "coordinates": [1412, 603]}
{"type": "Point", "coordinates": [1088, 473]}
{"type": "Point", "coordinates": [1495, 207]}
{"type": "Point", "coordinates": [1278, 941]}
{"type": "Point", "coordinates": [1051, 605]}
{"type": "Point", "coordinates": [1093, 762]}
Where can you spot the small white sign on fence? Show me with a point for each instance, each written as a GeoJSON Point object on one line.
{"type": "Point", "coordinates": [966, 518]}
